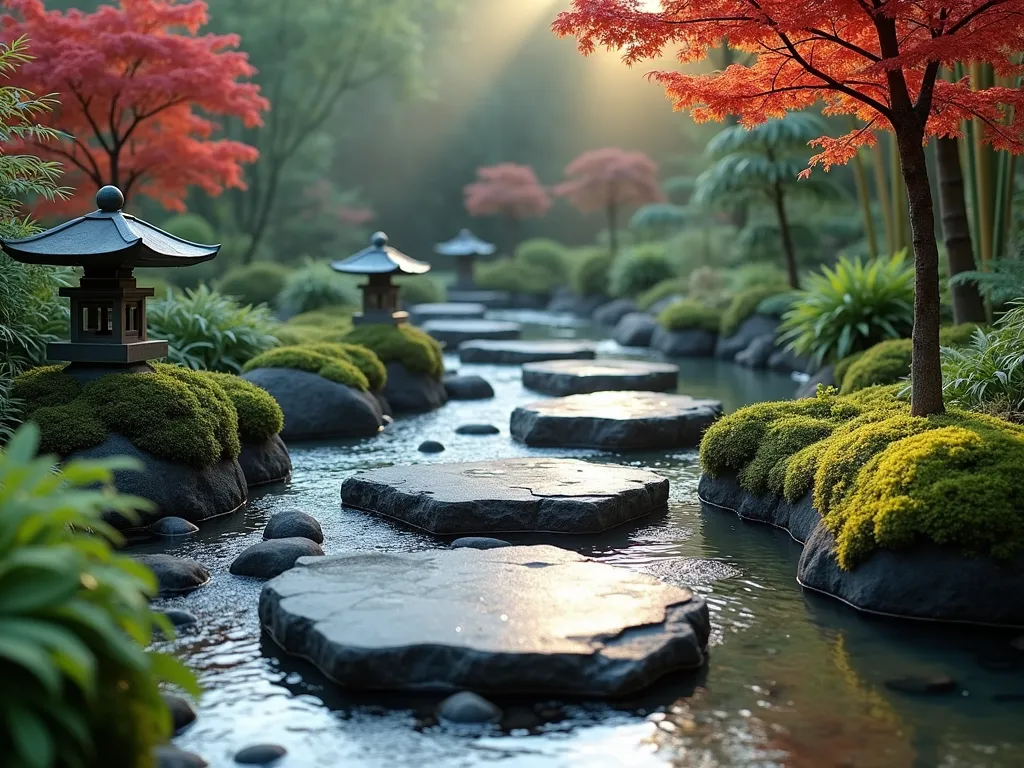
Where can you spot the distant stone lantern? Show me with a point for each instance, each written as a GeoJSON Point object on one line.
{"type": "Point", "coordinates": [465, 247]}
{"type": "Point", "coordinates": [108, 309]}
{"type": "Point", "coordinates": [380, 296]}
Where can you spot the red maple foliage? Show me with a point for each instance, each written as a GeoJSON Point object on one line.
{"type": "Point", "coordinates": [138, 87]}
{"type": "Point", "coordinates": [608, 180]}
{"type": "Point", "coordinates": [508, 190]}
{"type": "Point", "coordinates": [878, 60]}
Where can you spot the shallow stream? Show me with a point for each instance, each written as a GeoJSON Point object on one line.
{"type": "Point", "coordinates": [794, 679]}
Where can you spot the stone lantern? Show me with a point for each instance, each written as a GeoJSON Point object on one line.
{"type": "Point", "coordinates": [465, 247]}
{"type": "Point", "coordinates": [380, 296]}
{"type": "Point", "coordinates": [108, 309]}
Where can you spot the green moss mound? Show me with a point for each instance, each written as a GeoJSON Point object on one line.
{"type": "Point", "coordinates": [329, 324]}
{"type": "Point", "coordinates": [363, 358]}
{"type": "Point", "coordinates": [411, 347]}
{"type": "Point", "coordinates": [259, 415]}
{"type": "Point", "coordinates": [958, 335]}
{"type": "Point", "coordinates": [327, 360]}
{"type": "Point", "coordinates": [173, 413]}
{"type": "Point", "coordinates": [420, 289]}
{"type": "Point", "coordinates": [881, 477]}
{"type": "Point", "coordinates": [255, 284]}
{"type": "Point", "coordinates": [515, 277]}
{"type": "Point", "coordinates": [544, 255]}
{"type": "Point", "coordinates": [744, 305]}
{"type": "Point", "coordinates": [690, 315]}
{"type": "Point", "coordinates": [843, 367]}
{"type": "Point", "coordinates": [677, 286]}
{"type": "Point", "coordinates": [590, 278]}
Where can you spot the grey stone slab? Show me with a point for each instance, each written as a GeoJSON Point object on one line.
{"type": "Point", "coordinates": [517, 620]}
{"type": "Point", "coordinates": [490, 299]}
{"type": "Point", "coordinates": [449, 310]}
{"type": "Point", "coordinates": [615, 421]}
{"type": "Point", "coordinates": [487, 497]}
{"type": "Point", "coordinates": [454, 332]}
{"type": "Point", "coordinates": [519, 352]}
{"type": "Point", "coordinates": [569, 377]}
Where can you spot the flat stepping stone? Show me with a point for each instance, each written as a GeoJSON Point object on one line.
{"type": "Point", "coordinates": [519, 352]}
{"type": "Point", "coordinates": [487, 497]}
{"type": "Point", "coordinates": [421, 313]}
{"type": "Point", "coordinates": [615, 421]}
{"type": "Point", "coordinates": [568, 377]}
{"type": "Point", "coordinates": [454, 332]}
{"type": "Point", "coordinates": [519, 620]}
{"type": "Point", "coordinates": [490, 299]}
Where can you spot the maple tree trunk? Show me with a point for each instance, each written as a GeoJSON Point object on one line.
{"type": "Point", "coordinates": [968, 306]}
{"type": "Point", "coordinates": [613, 234]}
{"type": "Point", "coordinates": [787, 237]}
{"type": "Point", "coordinates": [926, 368]}
{"type": "Point", "coordinates": [512, 233]}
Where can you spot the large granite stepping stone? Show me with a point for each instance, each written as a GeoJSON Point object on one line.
{"type": "Point", "coordinates": [568, 377]}
{"type": "Point", "coordinates": [454, 332]}
{"type": "Point", "coordinates": [519, 620]}
{"type": "Point", "coordinates": [421, 313]}
{"type": "Point", "coordinates": [615, 421]}
{"type": "Point", "coordinates": [490, 299]}
{"type": "Point", "coordinates": [519, 352]}
{"type": "Point", "coordinates": [486, 497]}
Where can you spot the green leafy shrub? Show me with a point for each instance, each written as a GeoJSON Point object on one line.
{"type": "Point", "coordinates": [79, 687]}
{"type": "Point", "coordinates": [710, 284]}
{"type": "Point", "coordinates": [329, 324]}
{"type": "Point", "coordinates": [697, 247]}
{"type": "Point", "coordinates": [208, 331]}
{"type": "Point", "coordinates": [259, 415]}
{"type": "Point", "coordinates": [639, 269]}
{"type": "Point", "coordinates": [851, 308]}
{"type": "Point", "coordinates": [747, 276]}
{"type": "Point", "coordinates": [514, 277]}
{"type": "Point", "coordinates": [545, 256]}
{"type": "Point", "coordinates": [191, 227]}
{"type": "Point", "coordinates": [327, 360]}
{"type": "Point", "coordinates": [316, 286]}
{"type": "Point", "coordinates": [1003, 282]}
{"type": "Point", "coordinates": [403, 344]}
{"type": "Point", "coordinates": [677, 286]}
{"type": "Point", "coordinates": [255, 284]}
{"type": "Point", "coordinates": [987, 374]}
{"type": "Point", "coordinates": [881, 477]}
{"type": "Point", "coordinates": [420, 289]}
{"type": "Point", "coordinates": [744, 305]}
{"type": "Point", "coordinates": [689, 315]}
{"type": "Point", "coordinates": [590, 278]}
{"type": "Point", "coordinates": [777, 305]}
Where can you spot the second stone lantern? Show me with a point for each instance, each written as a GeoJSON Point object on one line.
{"type": "Point", "coordinates": [465, 248]}
{"type": "Point", "coordinates": [380, 296]}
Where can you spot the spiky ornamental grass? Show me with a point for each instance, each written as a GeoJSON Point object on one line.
{"type": "Point", "coordinates": [988, 373]}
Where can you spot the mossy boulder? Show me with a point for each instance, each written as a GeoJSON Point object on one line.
{"type": "Point", "coordinates": [744, 305]}
{"type": "Point", "coordinates": [690, 315]}
{"type": "Point", "coordinates": [410, 347]}
{"type": "Point", "coordinates": [257, 283]}
{"type": "Point", "coordinates": [264, 457]}
{"type": "Point", "coordinates": [333, 362]}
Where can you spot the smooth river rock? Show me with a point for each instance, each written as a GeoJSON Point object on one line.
{"type": "Point", "coordinates": [635, 330]}
{"type": "Point", "coordinates": [454, 332]}
{"type": "Point", "coordinates": [413, 392]}
{"type": "Point", "coordinates": [609, 314]}
{"type": "Point", "coordinates": [265, 462]}
{"type": "Point", "coordinates": [519, 620]}
{"type": "Point", "coordinates": [754, 326]}
{"type": "Point", "coordinates": [615, 421]}
{"type": "Point", "coordinates": [468, 388]}
{"type": "Point", "coordinates": [460, 310]}
{"type": "Point", "coordinates": [519, 352]}
{"type": "Point", "coordinates": [273, 557]}
{"type": "Point", "coordinates": [289, 523]}
{"type": "Point", "coordinates": [487, 497]}
{"type": "Point", "coordinates": [175, 575]}
{"type": "Point", "coordinates": [690, 343]}
{"type": "Point", "coordinates": [316, 408]}
{"type": "Point", "coordinates": [570, 377]}
{"type": "Point", "coordinates": [924, 581]}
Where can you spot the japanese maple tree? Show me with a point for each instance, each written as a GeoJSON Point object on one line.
{"type": "Point", "coordinates": [139, 90]}
{"type": "Point", "coordinates": [510, 191]}
{"type": "Point", "coordinates": [608, 180]}
{"type": "Point", "coordinates": [877, 60]}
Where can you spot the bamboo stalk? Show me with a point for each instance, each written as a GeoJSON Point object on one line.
{"type": "Point", "coordinates": [980, 78]}
{"type": "Point", "coordinates": [860, 178]}
{"type": "Point", "coordinates": [882, 191]}
{"type": "Point", "coordinates": [898, 197]}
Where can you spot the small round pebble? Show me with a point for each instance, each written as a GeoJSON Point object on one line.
{"type": "Point", "coordinates": [172, 757]}
{"type": "Point", "coordinates": [293, 523]}
{"type": "Point", "coordinates": [466, 708]}
{"type": "Point", "coordinates": [182, 713]}
{"type": "Point", "coordinates": [173, 526]}
{"type": "Point", "coordinates": [431, 446]}
{"type": "Point", "coordinates": [477, 429]}
{"type": "Point", "coordinates": [180, 618]}
{"type": "Point", "coordinates": [260, 754]}
{"type": "Point", "coordinates": [479, 542]}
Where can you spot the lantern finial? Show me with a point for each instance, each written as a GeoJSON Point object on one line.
{"type": "Point", "coordinates": [109, 199]}
{"type": "Point", "coordinates": [379, 239]}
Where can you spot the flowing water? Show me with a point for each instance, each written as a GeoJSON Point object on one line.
{"type": "Point", "coordinates": [793, 680]}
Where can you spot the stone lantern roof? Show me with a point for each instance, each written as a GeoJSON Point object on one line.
{"type": "Point", "coordinates": [465, 244]}
{"type": "Point", "coordinates": [380, 259]}
{"type": "Point", "coordinates": [108, 239]}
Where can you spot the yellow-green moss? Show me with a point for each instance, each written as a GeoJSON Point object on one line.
{"type": "Point", "coordinates": [843, 366]}
{"type": "Point", "coordinates": [364, 359]}
{"type": "Point", "coordinates": [69, 427]}
{"type": "Point", "coordinates": [744, 305]}
{"type": "Point", "coordinates": [327, 360]}
{"type": "Point", "coordinates": [882, 478]}
{"type": "Point", "coordinates": [259, 415]}
{"type": "Point", "coordinates": [411, 347]}
{"type": "Point", "coordinates": [45, 386]}
{"type": "Point", "coordinates": [689, 315]}
{"type": "Point", "coordinates": [676, 286]}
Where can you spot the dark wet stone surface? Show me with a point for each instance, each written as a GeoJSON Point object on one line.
{"type": "Point", "coordinates": [430, 446]}
{"type": "Point", "coordinates": [175, 575]}
{"type": "Point", "coordinates": [410, 392]}
{"type": "Point", "coordinates": [260, 754]}
{"type": "Point", "coordinates": [918, 684]}
{"type": "Point", "coordinates": [526, 619]}
{"type": "Point", "coordinates": [753, 327]}
{"type": "Point", "coordinates": [609, 314]}
{"type": "Point", "coordinates": [518, 352]}
{"type": "Point", "coordinates": [635, 330]}
{"type": "Point", "coordinates": [182, 713]}
{"type": "Point", "coordinates": [172, 757]}
{"type": "Point", "coordinates": [449, 310]}
{"type": "Point", "coordinates": [272, 558]}
{"type": "Point", "coordinates": [468, 388]}
{"type": "Point", "coordinates": [477, 429]}
{"type": "Point", "coordinates": [454, 332]}
{"type": "Point", "coordinates": [173, 526]}
{"type": "Point", "coordinates": [468, 708]}
{"type": "Point", "coordinates": [479, 542]}
{"type": "Point", "coordinates": [290, 523]}
{"type": "Point", "coordinates": [571, 377]}
{"type": "Point", "coordinates": [690, 343]}
{"type": "Point", "coordinates": [265, 462]}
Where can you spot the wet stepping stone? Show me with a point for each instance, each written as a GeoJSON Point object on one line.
{"type": "Point", "coordinates": [615, 421]}
{"type": "Point", "coordinates": [486, 497]}
{"type": "Point", "coordinates": [454, 332]}
{"type": "Point", "coordinates": [519, 620]}
{"type": "Point", "coordinates": [519, 352]}
{"type": "Point", "coordinates": [490, 299]}
{"type": "Point", "coordinates": [421, 313]}
{"type": "Point", "coordinates": [567, 377]}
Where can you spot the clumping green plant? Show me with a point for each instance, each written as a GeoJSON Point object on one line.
{"type": "Point", "coordinates": [689, 315]}
{"type": "Point", "coordinates": [410, 347]}
{"type": "Point", "coordinates": [420, 289]}
{"type": "Point", "coordinates": [880, 477]}
{"type": "Point", "coordinates": [744, 305]}
{"type": "Point", "coordinates": [259, 415]}
{"type": "Point", "coordinates": [1002, 282]}
{"type": "Point", "coordinates": [514, 277]}
{"type": "Point", "coordinates": [638, 269]}
{"type": "Point", "coordinates": [543, 255]}
{"type": "Point", "coordinates": [79, 688]}
{"type": "Point", "coordinates": [255, 284]}
{"type": "Point", "coordinates": [987, 374]}
{"type": "Point", "coordinates": [677, 287]}
{"type": "Point", "coordinates": [327, 360]}
{"type": "Point", "coordinates": [590, 278]}
{"type": "Point", "coordinates": [851, 308]}
{"type": "Point", "coordinates": [208, 331]}
{"type": "Point", "coordinates": [708, 283]}
{"type": "Point", "coordinates": [747, 276]}
{"type": "Point", "coordinates": [327, 324]}
{"type": "Point", "coordinates": [316, 286]}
